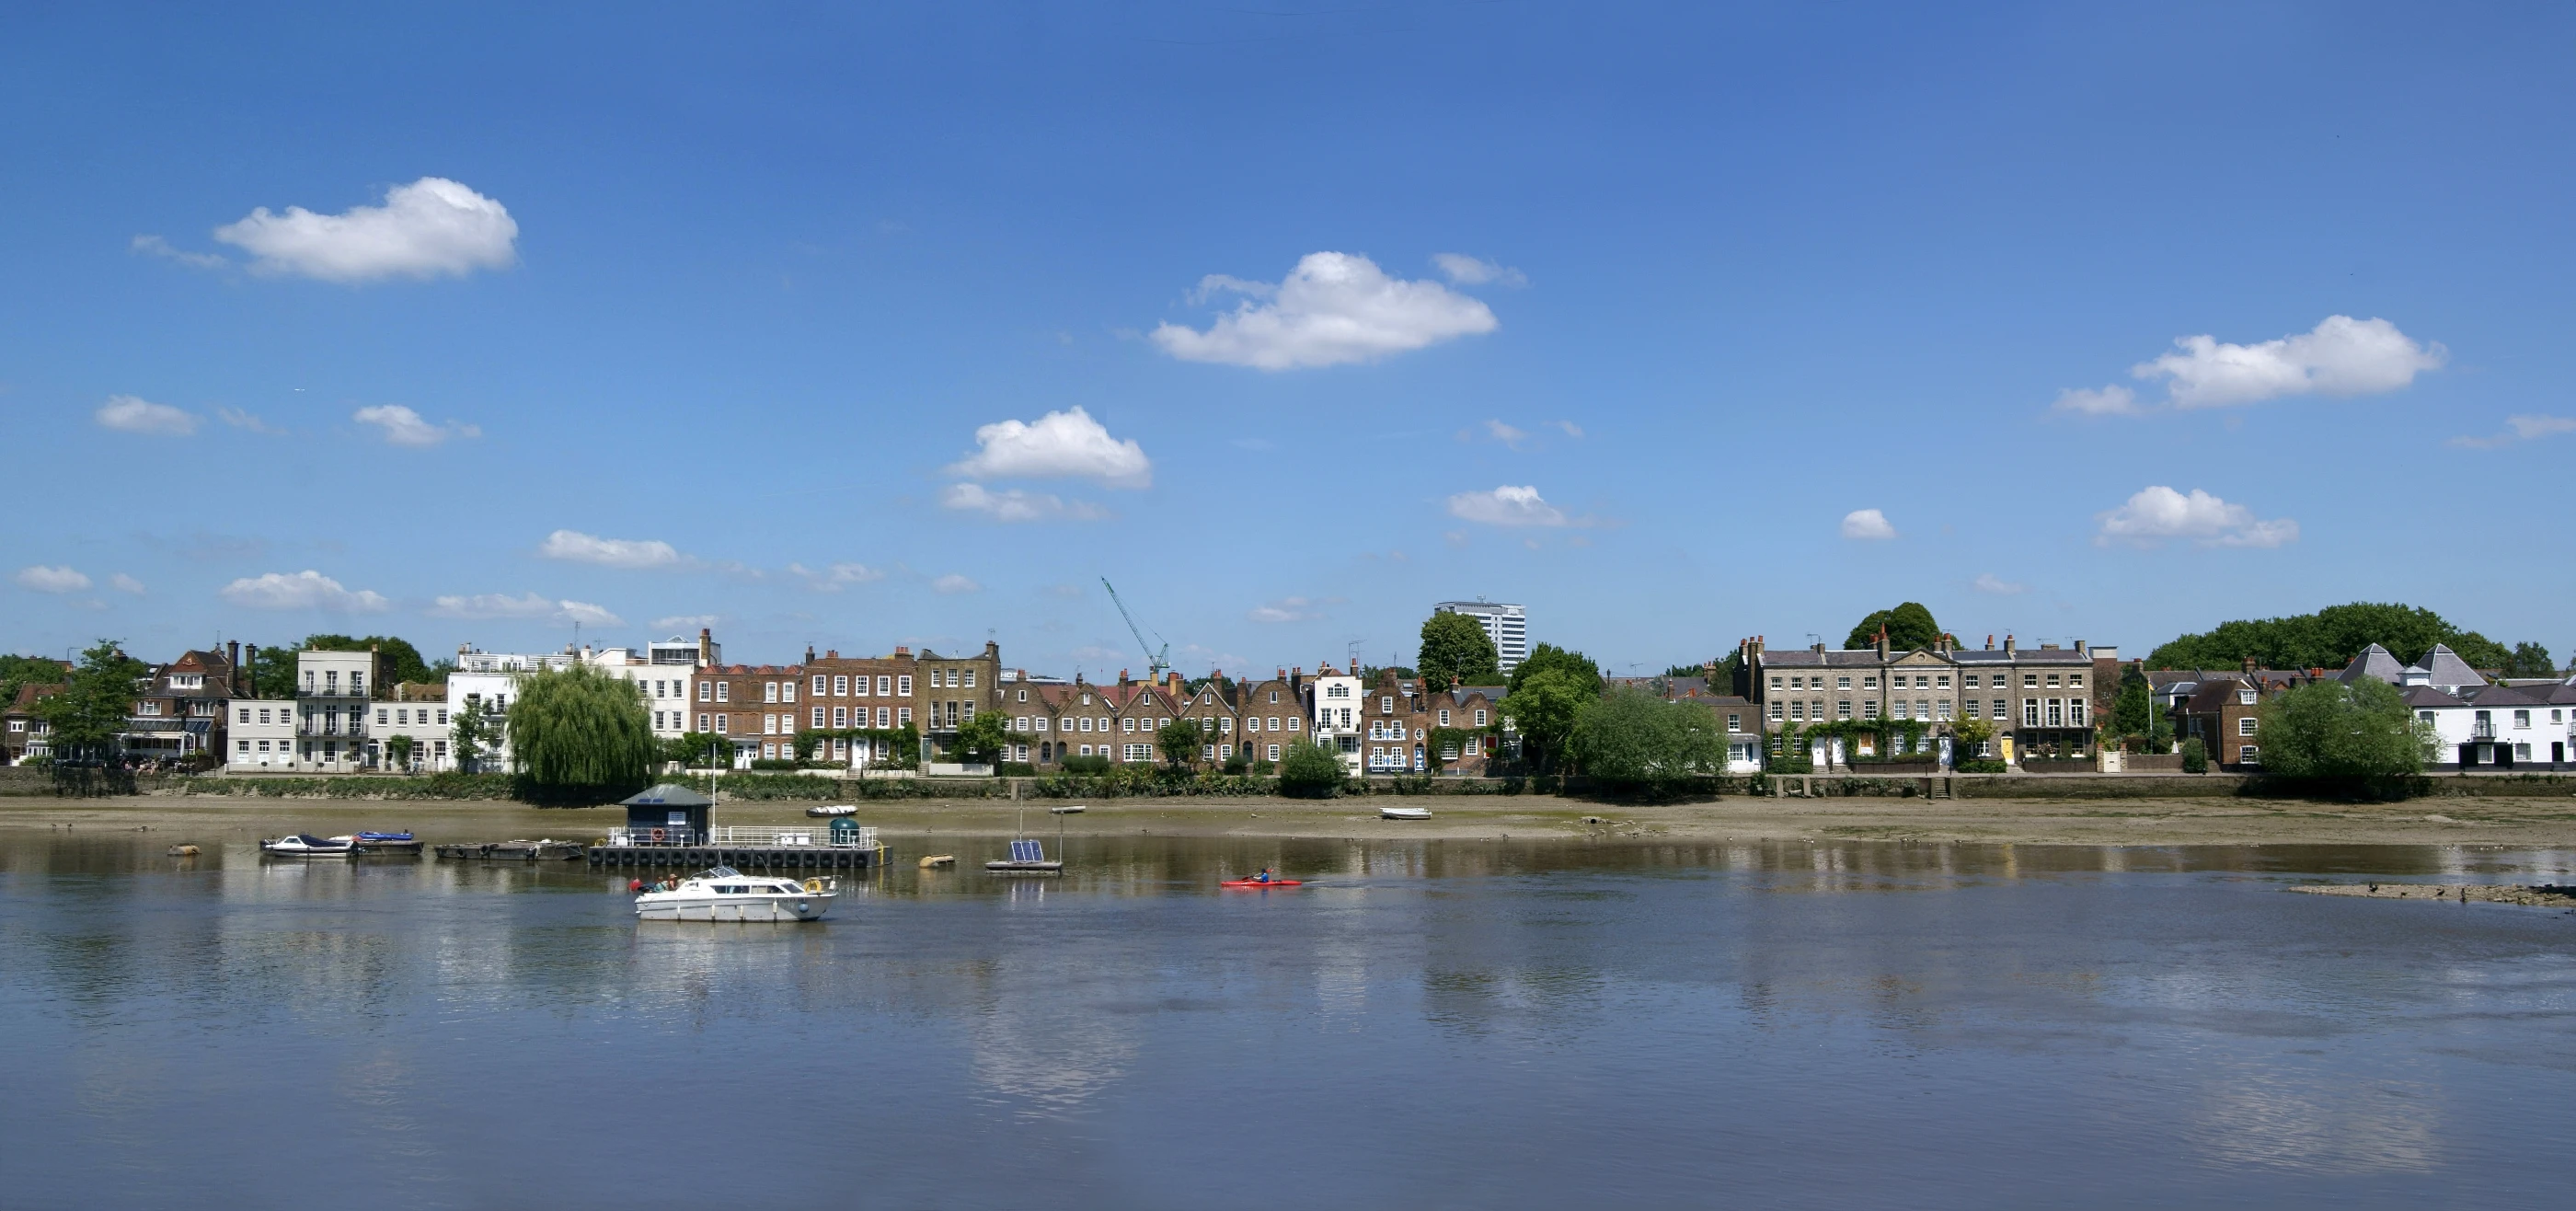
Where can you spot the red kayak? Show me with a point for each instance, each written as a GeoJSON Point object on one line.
{"type": "Point", "coordinates": [1259, 883]}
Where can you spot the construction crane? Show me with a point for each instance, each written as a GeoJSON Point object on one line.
{"type": "Point", "coordinates": [1154, 660]}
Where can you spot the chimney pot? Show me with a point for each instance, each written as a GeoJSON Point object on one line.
{"type": "Point", "coordinates": [901, 650]}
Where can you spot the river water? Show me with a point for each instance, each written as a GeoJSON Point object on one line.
{"type": "Point", "coordinates": [1433, 1024]}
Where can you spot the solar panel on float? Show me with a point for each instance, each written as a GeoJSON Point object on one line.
{"type": "Point", "coordinates": [1027, 851]}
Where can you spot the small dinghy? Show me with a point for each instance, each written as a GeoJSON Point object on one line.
{"type": "Point", "coordinates": [1070, 809]}
{"type": "Point", "coordinates": [1404, 813]}
{"type": "Point", "coordinates": [383, 843]}
{"type": "Point", "coordinates": [837, 809]}
{"type": "Point", "coordinates": [306, 845]}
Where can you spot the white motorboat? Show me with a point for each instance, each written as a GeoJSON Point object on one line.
{"type": "Point", "coordinates": [306, 845]}
{"type": "Point", "coordinates": [1069, 809]}
{"type": "Point", "coordinates": [837, 809]}
{"type": "Point", "coordinates": [1404, 813]}
{"type": "Point", "coordinates": [725, 894]}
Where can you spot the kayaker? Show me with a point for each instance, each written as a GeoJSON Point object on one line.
{"type": "Point", "coordinates": [1263, 877]}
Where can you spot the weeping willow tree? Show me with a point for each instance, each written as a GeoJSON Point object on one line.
{"type": "Point", "coordinates": [579, 733]}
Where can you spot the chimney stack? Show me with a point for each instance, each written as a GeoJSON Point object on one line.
{"type": "Point", "coordinates": [809, 653]}
{"type": "Point", "coordinates": [232, 656]}
{"type": "Point", "coordinates": [706, 645]}
{"type": "Point", "coordinates": [901, 651]}
{"type": "Point", "coordinates": [2249, 664]}
{"type": "Point", "coordinates": [250, 665]}
{"type": "Point", "coordinates": [2008, 645]}
{"type": "Point", "coordinates": [2079, 647]}
{"type": "Point", "coordinates": [1990, 641]}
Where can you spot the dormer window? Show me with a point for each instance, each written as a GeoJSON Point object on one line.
{"type": "Point", "coordinates": [2245, 697]}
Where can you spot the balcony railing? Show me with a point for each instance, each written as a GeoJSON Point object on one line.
{"type": "Point", "coordinates": [332, 691]}
{"type": "Point", "coordinates": [326, 726]}
{"type": "Point", "coordinates": [819, 836]}
{"type": "Point", "coordinates": [2483, 729]}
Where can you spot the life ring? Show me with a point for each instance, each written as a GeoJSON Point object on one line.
{"type": "Point", "coordinates": [813, 887]}
{"type": "Point", "coordinates": [657, 834]}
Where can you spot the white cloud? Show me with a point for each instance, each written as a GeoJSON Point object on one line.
{"type": "Point", "coordinates": [2114, 400]}
{"type": "Point", "coordinates": [2158, 513]}
{"type": "Point", "coordinates": [1286, 609]}
{"type": "Point", "coordinates": [123, 583]}
{"type": "Point", "coordinates": [682, 622]}
{"type": "Point", "coordinates": [1505, 434]}
{"type": "Point", "coordinates": [45, 579]}
{"type": "Point", "coordinates": [1058, 445]}
{"type": "Point", "coordinates": [576, 547]}
{"type": "Point", "coordinates": [1333, 308]}
{"type": "Point", "coordinates": [2341, 356]}
{"type": "Point", "coordinates": [404, 427]}
{"type": "Point", "coordinates": [1571, 429]}
{"type": "Point", "coordinates": [1506, 506]}
{"type": "Point", "coordinates": [1015, 505]}
{"type": "Point", "coordinates": [836, 577]}
{"type": "Point", "coordinates": [1475, 271]}
{"type": "Point", "coordinates": [153, 245]}
{"type": "Point", "coordinates": [127, 414]}
{"type": "Point", "coordinates": [1867, 524]}
{"type": "Point", "coordinates": [2520, 429]}
{"type": "Point", "coordinates": [305, 590]}
{"type": "Point", "coordinates": [953, 583]}
{"type": "Point", "coordinates": [502, 605]}
{"type": "Point", "coordinates": [1988, 582]}
{"type": "Point", "coordinates": [243, 420]}
{"type": "Point", "coordinates": [587, 614]}
{"type": "Point", "coordinates": [429, 228]}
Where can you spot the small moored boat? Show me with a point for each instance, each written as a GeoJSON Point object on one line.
{"type": "Point", "coordinates": [724, 894]}
{"type": "Point", "coordinates": [837, 809]}
{"type": "Point", "coordinates": [1404, 813]}
{"type": "Point", "coordinates": [383, 843]}
{"type": "Point", "coordinates": [306, 845]}
{"type": "Point", "coordinates": [1069, 809]}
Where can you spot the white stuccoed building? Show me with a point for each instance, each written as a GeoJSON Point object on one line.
{"type": "Point", "coordinates": [1338, 720]}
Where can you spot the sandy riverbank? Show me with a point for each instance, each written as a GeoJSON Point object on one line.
{"type": "Point", "coordinates": [2519, 822]}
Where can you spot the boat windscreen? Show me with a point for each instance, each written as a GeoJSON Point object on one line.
{"type": "Point", "coordinates": [721, 872]}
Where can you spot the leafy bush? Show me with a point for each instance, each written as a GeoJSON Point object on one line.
{"type": "Point", "coordinates": [776, 763]}
{"type": "Point", "coordinates": [2335, 729]}
{"type": "Point", "coordinates": [2195, 756]}
{"type": "Point", "coordinates": [1983, 765]}
{"type": "Point", "coordinates": [1086, 765]}
{"type": "Point", "coordinates": [1631, 740]}
{"type": "Point", "coordinates": [1016, 769]}
{"type": "Point", "coordinates": [1238, 764]}
{"type": "Point", "coordinates": [1310, 771]}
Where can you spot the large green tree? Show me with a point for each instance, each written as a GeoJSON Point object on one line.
{"type": "Point", "coordinates": [983, 738]}
{"type": "Point", "coordinates": [2340, 729]}
{"type": "Point", "coordinates": [1547, 658]}
{"type": "Point", "coordinates": [470, 731]}
{"type": "Point", "coordinates": [1309, 771]}
{"type": "Point", "coordinates": [2134, 712]}
{"type": "Point", "coordinates": [1455, 647]}
{"type": "Point", "coordinates": [2329, 639]}
{"type": "Point", "coordinates": [1634, 740]}
{"type": "Point", "coordinates": [1543, 711]}
{"type": "Point", "coordinates": [2530, 660]}
{"type": "Point", "coordinates": [16, 671]}
{"type": "Point", "coordinates": [1909, 626]}
{"type": "Point", "coordinates": [84, 720]}
{"type": "Point", "coordinates": [1179, 741]}
{"type": "Point", "coordinates": [580, 731]}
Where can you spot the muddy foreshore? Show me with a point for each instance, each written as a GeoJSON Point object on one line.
{"type": "Point", "coordinates": [2516, 822]}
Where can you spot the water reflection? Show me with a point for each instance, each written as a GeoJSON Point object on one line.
{"type": "Point", "coordinates": [2160, 1018]}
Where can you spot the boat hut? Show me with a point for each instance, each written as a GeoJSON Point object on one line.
{"type": "Point", "coordinates": [670, 814]}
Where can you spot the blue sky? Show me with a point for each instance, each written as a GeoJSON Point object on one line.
{"type": "Point", "coordinates": [1628, 313]}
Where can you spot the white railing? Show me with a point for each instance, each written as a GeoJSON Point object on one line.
{"type": "Point", "coordinates": [761, 836]}
{"type": "Point", "coordinates": [864, 837]}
